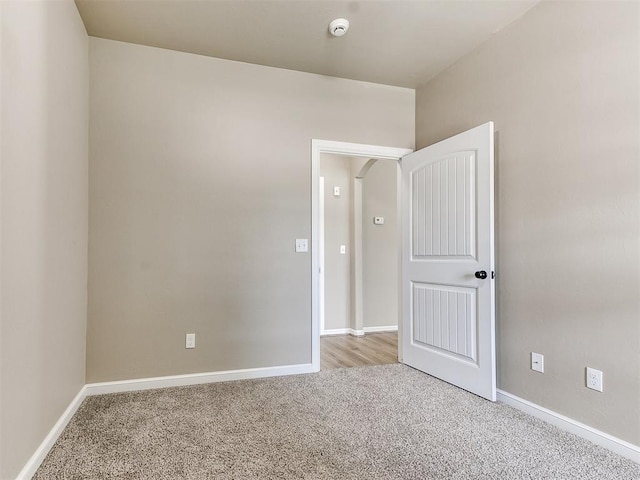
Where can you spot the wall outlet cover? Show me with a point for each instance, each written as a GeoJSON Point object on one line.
{"type": "Point", "coordinates": [190, 340]}
{"type": "Point", "coordinates": [595, 379]}
{"type": "Point", "coordinates": [537, 362]}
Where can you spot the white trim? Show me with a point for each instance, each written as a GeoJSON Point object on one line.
{"type": "Point", "coordinates": [358, 333]}
{"type": "Point", "coordinates": [359, 150]}
{"type": "Point", "coordinates": [32, 465]}
{"type": "Point", "coordinates": [195, 379]}
{"type": "Point", "coordinates": [399, 260]}
{"type": "Point", "coordinates": [337, 148]}
{"type": "Point", "coordinates": [321, 268]}
{"type": "Point", "coordinates": [335, 331]}
{"type": "Point", "coordinates": [385, 328]}
{"type": "Point", "coordinates": [357, 308]}
{"type": "Point", "coordinates": [616, 445]}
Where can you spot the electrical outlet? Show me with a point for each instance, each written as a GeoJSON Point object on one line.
{"type": "Point", "coordinates": [594, 379]}
{"type": "Point", "coordinates": [537, 362]}
{"type": "Point", "coordinates": [190, 340]}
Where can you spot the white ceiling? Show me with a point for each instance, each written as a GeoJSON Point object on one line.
{"type": "Point", "coordinates": [395, 42]}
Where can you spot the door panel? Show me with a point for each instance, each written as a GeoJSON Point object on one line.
{"type": "Point", "coordinates": [444, 198]}
{"type": "Point", "coordinates": [447, 210]}
{"type": "Point", "coordinates": [445, 318]}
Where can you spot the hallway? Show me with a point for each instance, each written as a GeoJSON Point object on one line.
{"type": "Point", "coordinates": [341, 351]}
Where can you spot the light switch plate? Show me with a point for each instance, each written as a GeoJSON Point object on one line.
{"type": "Point", "coordinates": [537, 362]}
{"type": "Point", "coordinates": [336, 191]}
{"type": "Point", "coordinates": [302, 245]}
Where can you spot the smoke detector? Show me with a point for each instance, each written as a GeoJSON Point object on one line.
{"type": "Point", "coordinates": [339, 27]}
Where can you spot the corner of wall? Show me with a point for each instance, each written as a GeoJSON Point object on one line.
{"type": "Point", "coordinates": [43, 220]}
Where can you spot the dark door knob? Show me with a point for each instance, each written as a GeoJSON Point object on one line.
{"type": "Point", "coordinates": [481, 274]}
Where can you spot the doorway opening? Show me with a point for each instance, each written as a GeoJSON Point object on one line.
{"type": "Point", "coordinates": [347, 165]}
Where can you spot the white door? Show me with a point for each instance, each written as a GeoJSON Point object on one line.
{"type": "Point", "coordinates": [448, 305]}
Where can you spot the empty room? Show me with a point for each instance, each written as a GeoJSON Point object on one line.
{"type": "Point", "coordinates": [320, 239]}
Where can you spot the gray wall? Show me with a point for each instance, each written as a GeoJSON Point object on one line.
{"type": "Point", "coordinates": [380, 245]}
{"type": "Point", "coordinates": [338, 226]}
{"type": "Point", "coordinates": [199, 185]}
{"type": "Point", "coordinates": [561, 85]}
{"type": "Point", "coordinates": [45, 83]}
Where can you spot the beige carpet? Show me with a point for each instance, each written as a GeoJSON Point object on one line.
{"type": "Point", "coordinates": [383, 422]}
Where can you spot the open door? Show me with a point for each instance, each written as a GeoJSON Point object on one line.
{"type": "Point", "coordinates": [448, 294]}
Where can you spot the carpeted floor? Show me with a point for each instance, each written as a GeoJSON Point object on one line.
{"type": "Point", "coordinates": [382, 422]}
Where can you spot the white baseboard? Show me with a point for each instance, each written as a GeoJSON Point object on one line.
{"type": "Point", "coordinates": [147, 384]}
{"type": "Point", "coordinates": [335, 331]}
{"type": "Point", "coordinates": [358, 333]}
{"type": "Point", "coordinates": [29, 470]}
{"type": "Point", "coordinates": [386, 328]}
{"type": "Point", "coordinates": [342, 331]}
{"type": "Point", "coordinates": [195, 379]}
{"type": "Point", "coordinates": [616, 445]}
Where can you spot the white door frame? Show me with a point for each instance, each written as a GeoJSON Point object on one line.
{"type": "Point", "coordinates": [351, 150]}
{"type": "Point", "coordinates": [321, 251]}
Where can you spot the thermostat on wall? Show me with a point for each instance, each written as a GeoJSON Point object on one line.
{"type": "Point", "coordinates": [378, 220]}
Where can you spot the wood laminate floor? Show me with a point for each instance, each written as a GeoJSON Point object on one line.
{"type": "Point", "coordinates": [338, 351]}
